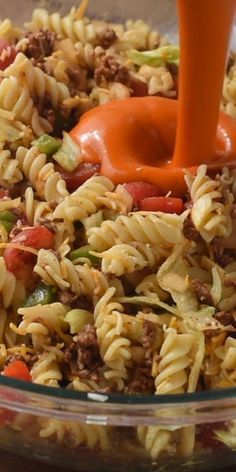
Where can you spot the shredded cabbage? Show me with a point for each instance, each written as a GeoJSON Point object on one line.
{"type": "Point", "coordinates": [158, 57]}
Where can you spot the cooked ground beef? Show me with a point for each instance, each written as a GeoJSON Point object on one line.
{"type": "Point", "coordinates": [190, 232]}
{"type": "Point", "coordinates": [142, 381]}
{"type": "Point", "coordinates": [66, 297]}
{"type": "Point", "coordinates": [82, 302]}
{"type": "Point", "coordinates": [149, 334]}
{"type": "Point", "coordinates": [83, 355]}
{"type": "Point", "coordinates": [111, 71]}
{"type": "Point", "coordinates": [202, 291]}
{"type": "Point", "coordinates": [222, 256]}
{"type": "Point", "coordinates": [106, 37]}
{"type": "Point", "coordinates": [77, 80]}
{"type": "Point", "coordinates": [41, 44]}
{"type": "Point", "coordinates": [226, 317]}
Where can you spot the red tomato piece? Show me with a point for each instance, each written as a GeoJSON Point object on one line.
{"type": "Point", "coordinates": [37, 238]}
{"type": "Point", "coordinates": [4, 193]}
{"type": "Point", "coordinates": [7, 54]}
{"type": "Point", "coordinates": [138, 88]}
{"type": "Point", "coordinates": [206, 435]}
{"type": "Point", "coordinates": [141, 190]}
{"type": "Point", "coordinates": [164, 204]}
{"type": "Point", "coordinates": [18, 370]}
{"type": "Point", "coordinates": [81, 173]}
{"type": "Point", "coordinates": [21, 263]}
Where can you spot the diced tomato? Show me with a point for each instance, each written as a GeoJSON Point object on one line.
{"type": "Point", "coordinates": [4, 193]}
{"type": "Point", "coordinates": [37, 238]}
{"type": "Point", "coordinates": [8, 58]}
{"type": "Point", "coordinates": [21, 263]}
{"type": "Point", "coordinates": [17, 370]}
{"type": "Point", "coordinates": [138, 88]}
{"type": "Point", "coordinates": [164, 204]}
{"type": "Point", "coordinates": [206, 435]}
{"type": "Point", "coordinates": [82, 173]}
{"type": "Point", "coordinates": [141, 190]}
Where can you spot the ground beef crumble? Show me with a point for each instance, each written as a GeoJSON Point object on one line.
{"type": "Point", "coordinates": [222, 256]}
{"type": "Point", "coordinates": [141, 381]}
{"type": "Point", "coordinates": [66, 297]}
{"type": "Point", "coordinates": [190, 232]}
{"type": "Point", "coordinates": [202, 291]}
{"type": "Point", "coordinates": [226, 317]}
{"type": "Point", "coordinates": [111, 71]}
{"type": "Point", "coordinates": [29, 359]}
{"type": "Point", "coordinates": [40, 45]}
{"type": "Point", "coordinates": [83, 355]}
{"type": "Point", "coordinates": [149, 334]}
{"type": "Point", "coordinates": [106, 37]}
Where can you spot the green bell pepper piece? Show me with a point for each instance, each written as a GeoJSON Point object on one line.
{"type": "Point", "coordinates": [84, 251]}
{"type": "Point", "coordinates": [47, 144]}
{"type": "Point", "coordinates": [42, 295]}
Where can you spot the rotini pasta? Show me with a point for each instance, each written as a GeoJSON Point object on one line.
{"type": "Point", "coordinates": [210, 215]}
{"type": "Point", "coordinates": [84, 201]}
{"type": "Point", "coordinates": [35, 210]}
{"type": "Point", "coordinates": [127, 258]}
{"type": "Point", "coordinates": [36, 81]}
{"type": "Point", "coordinates": [67, 27]}
{"type": "Point", "coordinates": [81, 279]}
{"type": "Point", "coordinates": [46, 370]}
{"type": "Point", "coordinates": [160, 228]}
{"type": "Point", "coordinates": [15, 98]}
{"type": "Point", "coordinates": [44, 179]}
{"type": "Point", "coordinates": [92, 436]}
{"type": "Point", "coordinates": [9, 168]}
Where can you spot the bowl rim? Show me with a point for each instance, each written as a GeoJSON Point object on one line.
{"type": "Point", "coordinates": [118, 398]}
{"type": "Point", "coordinates": [117, 409]}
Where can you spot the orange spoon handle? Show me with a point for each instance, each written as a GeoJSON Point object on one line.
{"type": "Point", "coordinates": [205, 30]}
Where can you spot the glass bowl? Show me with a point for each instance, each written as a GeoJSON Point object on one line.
{"type": "Point", "coordinates": [97, 432]}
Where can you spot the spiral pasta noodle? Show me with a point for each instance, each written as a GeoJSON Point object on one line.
{"type": "Point", "coordinates": [226, 356]}
{"type": "Point", "coordinates": [88, 54]}
{"type": "Point", "coordinates": [119, 201]}
{"type": "Point", "coordinates": [35, 210]}
{"type": "Point", "coordinates": [15, 98]}
{"type": "Point", "coordinates": [46, 370]}
{"type": "Point", "coordinates": [12, 291]}
{"type": "Point", "coordinates": [41, 322]}
{"type": "Point", "coordinates": [36, 81]}
{"type": "Point", "coordinates": [84, 201]}
{"type": "Point", "coordinates": [170, 377]}
{"type": "Point", "coordinates": [9, 168]}
{"type": "Point", "coordinates": [158, 228]}
{"type": "Point", "coordinates": [81, 279]}
{"type": "Point", "coordinates": [209, 215]}
{"type": "Point", "coordinates": [114, 346]}
{"type": "Point", "coordinates": [91, 436]}
{"type": "Point", "coordinates": [171, 371]}
{"type": "Point", "coordinates": [127, 258]}
{"type": "Point", "coordinates": [67, 27]}
{"type": "Point", "coordinates": [48, 183]}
